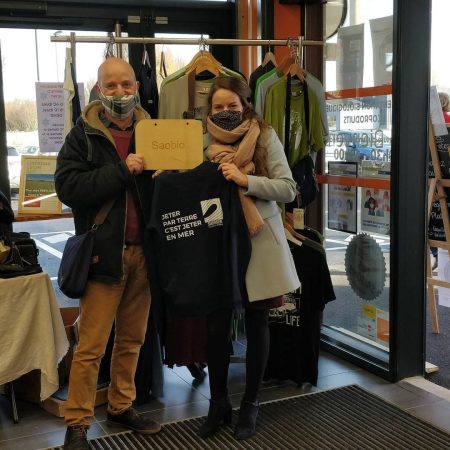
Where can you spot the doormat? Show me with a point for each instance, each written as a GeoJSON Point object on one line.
{"type": "Point", "coordinates": [347, 418]}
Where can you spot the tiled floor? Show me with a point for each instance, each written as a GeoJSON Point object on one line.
{"type": "Point", "coordinates": [37, 429]}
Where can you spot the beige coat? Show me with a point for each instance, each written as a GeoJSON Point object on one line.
{"type": "Point", "coordinates": [271, 271]}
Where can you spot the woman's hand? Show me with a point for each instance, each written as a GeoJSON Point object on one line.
{"type": "Point", "coordinates": [232, 173]}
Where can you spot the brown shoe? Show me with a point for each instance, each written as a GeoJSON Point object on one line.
{"type": "Point", "coordinates": [76, 438]}
{"type": "Point", "coordinates": [131, 419]}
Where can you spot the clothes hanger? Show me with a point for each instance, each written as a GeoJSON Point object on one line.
{"type": "Point", "coordinates": [287, 60]}
{"type": "Point", "coordinates": [202, 53]}
{"type": "Point", "coordinates": [144, 55]}
{"type": "Point", "coordinates": [284, 65]}
{"type": "Point", "coordinates": [296, 71]}
{"type": "Point", "coordinates": [294, 233]}
{"type": "Point", "coordinates": [269, 57]}
{"type": "Point", "coordinates": [162, 64]}
{"type": "Point", "coordinates": [204, 64]}
{"type": "Point", "coordinates": [109, 51]}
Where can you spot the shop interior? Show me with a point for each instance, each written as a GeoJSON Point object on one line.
{"type": "Point", "coordinates": [369, 335]}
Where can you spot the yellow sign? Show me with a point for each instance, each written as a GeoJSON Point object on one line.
{"type": "Point", "coordinates": [37, 186]}
{"type": "Point", "coordinates": [170, 144]}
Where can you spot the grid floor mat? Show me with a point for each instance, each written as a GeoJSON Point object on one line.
{"type": "Point", "coordinates": [346, 418]}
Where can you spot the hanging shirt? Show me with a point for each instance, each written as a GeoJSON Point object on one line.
{"type": "Point", "coordinates": [274, 115]}
{"type": "Point", "coordinates": [148, 89]}
{"type": "Point", "coordinates": [256, 74]}
{"type": "Point", "coordinates": [295, 326]}
{"type": "Point", "coordinates": [200, 241]}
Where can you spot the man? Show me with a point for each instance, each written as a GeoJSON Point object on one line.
{"type": "Point", "coordinates": [97, 164]}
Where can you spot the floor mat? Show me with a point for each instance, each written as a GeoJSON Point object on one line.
{"type": "Point", "coordinates": [347, 418]}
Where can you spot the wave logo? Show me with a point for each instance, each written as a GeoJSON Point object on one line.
{"type": "Point", "coordinates": [212, 212]}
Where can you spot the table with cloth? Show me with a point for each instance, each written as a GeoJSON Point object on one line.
{"type": "Point", "coordinates": [32, 334]}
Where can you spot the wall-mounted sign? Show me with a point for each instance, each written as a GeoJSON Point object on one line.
{"type": "Point", "coordinates": [50, 106]}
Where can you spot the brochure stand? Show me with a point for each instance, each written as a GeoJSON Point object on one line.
{"type": "Point", "coordinates": [436, 192]}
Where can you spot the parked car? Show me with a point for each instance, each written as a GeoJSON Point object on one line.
{"type": "Point", "coordinates": [14, 166]}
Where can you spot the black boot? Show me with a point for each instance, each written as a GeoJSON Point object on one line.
{"type": "Point", "coordinates": [76, 438]}
{"type": "Point", "coordinates": [219, 413]}
{"type": "Point", "coordinates": [246, 424]}
{"type": "Point", "coordinates": [197, 371]}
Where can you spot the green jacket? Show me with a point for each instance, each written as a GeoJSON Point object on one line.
{"type": "Point", "coordinates": [89, 172]}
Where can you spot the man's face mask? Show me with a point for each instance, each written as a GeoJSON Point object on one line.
{"type": "Point", "coordinates": [228, 119]}
{"type": "Point", "coordinates": [119, 107]}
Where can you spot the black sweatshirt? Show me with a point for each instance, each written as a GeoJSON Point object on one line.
{"type": "Point", "coordinates": [201, 246]}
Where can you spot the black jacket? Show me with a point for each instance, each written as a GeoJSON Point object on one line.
{"type": "Point", "coordinates": [89, 172]}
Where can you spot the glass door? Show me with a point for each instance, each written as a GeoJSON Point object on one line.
{"type": "Point", "coordinates": [356, 179]}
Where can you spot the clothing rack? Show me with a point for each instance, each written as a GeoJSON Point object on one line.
{"type": "Point", "coordinates": [290, 42]}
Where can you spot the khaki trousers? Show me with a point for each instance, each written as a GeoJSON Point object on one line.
{"type": "Point", "coordinates": [127, 303]}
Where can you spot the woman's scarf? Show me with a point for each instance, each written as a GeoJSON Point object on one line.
{"type": "Point", "coordinates": [238, 146]}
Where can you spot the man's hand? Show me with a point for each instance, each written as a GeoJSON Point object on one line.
{"type": "Point", "coordinates": [232, 173]}
{"type": "Point", "coordinates": [135, 163]}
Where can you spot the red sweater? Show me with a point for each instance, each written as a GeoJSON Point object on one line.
{"type": "Point", "coordinates": [122, 140]}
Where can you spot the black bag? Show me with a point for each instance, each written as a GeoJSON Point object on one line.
{"type": "Point", "coordinates": [6, 212]}
{"type": "Point", "coordinates": [75, 263]}
{"type": "Point", "coordinates": [304, 175]}
{"type": "Point", "coordinates": [22, 257]}
{"type": "Point", "coordinates": [74, 268]}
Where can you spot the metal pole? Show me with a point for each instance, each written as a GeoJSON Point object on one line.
{"type": "Point", "coordinates": [37, 54]}
{"type": "Point", "coordinates": [118, 34]}
{"type": "Point", "coordinates": [181, 41]}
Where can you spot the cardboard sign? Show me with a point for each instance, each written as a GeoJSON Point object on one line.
{"type": "Point", "coordinates": [170, 144]}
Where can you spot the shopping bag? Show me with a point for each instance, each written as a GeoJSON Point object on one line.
{"type": "Point", "coordinates": [18, 255]}
{"type": "Point", "coordinates": [75, 263]}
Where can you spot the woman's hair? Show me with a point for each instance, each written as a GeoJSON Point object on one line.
{"type": "Point", "coordinates": [445, 101]}
{"type": "Point", "coordinates": [244, 92]}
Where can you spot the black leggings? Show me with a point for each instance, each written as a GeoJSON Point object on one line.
{"type": "Point", "coordinates": [218, 351]}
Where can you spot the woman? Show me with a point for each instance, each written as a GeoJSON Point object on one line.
{"type": "Point", "coordinates": [249, 154]}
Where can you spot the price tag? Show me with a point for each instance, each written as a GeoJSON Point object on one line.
{"type": "Point", "coordinates": [299, 218]}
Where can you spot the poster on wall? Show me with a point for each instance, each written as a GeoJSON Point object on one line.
{"type": "Point", "coordinates": [442, 140]}
{"type": "Point", "coordinates": [342, 199]}
{"type": "Point", "coordinates": [381, 30]}
{"type": "Point", "coordinates": [50, 115]}
{"type": "Point", "coordinates": [375, 210]}
{"type": "Point", "coordinates": [350, 57]}
{"type": "Point", "coordinates": [37, 186]}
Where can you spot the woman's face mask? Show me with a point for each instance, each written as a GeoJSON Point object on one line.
{"type": "Point", "coordinates": [119, 107]}
{"type": "Point", "coordinates": [228, 119]}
